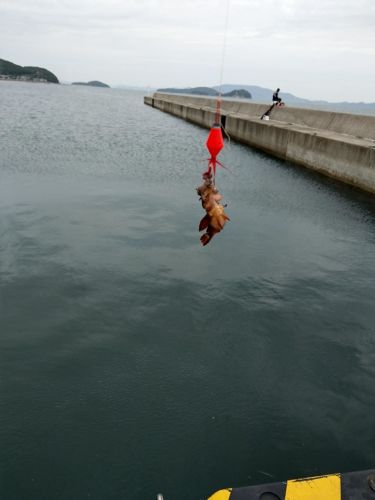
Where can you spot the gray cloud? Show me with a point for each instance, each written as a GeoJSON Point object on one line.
{"type": "Point", "coordinates": [316, 48]}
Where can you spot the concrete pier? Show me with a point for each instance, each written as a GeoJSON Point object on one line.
{"type": "Point", "coordinates": [340, 145]}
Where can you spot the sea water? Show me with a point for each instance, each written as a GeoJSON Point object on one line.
{"type": "Point", "coordinates": [134, 361]}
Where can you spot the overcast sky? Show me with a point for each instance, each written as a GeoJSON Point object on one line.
{"type": "Point", "coordinates": [318, 49]}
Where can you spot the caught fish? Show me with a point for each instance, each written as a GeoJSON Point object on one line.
{"type": "Point", "coordinates": [215, 219]}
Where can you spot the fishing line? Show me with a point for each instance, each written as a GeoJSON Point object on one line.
{"type": "Point", "coordinates": [224, 46]}
{"type": "Point", "coordinates": [223, 51]}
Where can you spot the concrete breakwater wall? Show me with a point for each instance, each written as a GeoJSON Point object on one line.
{"type": "Point", "coordinates": [340, 145]}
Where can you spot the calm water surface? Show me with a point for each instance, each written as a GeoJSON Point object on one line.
{"type": "Point", "coordinates": [134, 361]}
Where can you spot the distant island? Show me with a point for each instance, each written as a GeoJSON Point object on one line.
{"type": "Point", "coordinates": [11, 71]}
{"type": "Point", "coordinates": [94, 83]}
{"type": "Point", "coordinates": [240, 93]}
{"type": "Point", "coordinates": [209, 91]}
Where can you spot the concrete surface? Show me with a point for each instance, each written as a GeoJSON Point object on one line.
{"type": "Point", "coordinates": [340, 145]}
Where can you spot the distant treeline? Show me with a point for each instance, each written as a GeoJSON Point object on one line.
{"type": "Point", "coordinates": [208, 91]}
{"type": "Point", "coordinates": [25, 73]}
{"type": "Point", "coordinates": [94, 83]}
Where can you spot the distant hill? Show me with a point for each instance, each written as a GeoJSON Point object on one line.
{"type": "Point", "coordinates": [259, 94]}
{"type": "Point", "coordinates": [209, 91]}
{"type": "Point", "coordinates": [94, 83]}
{"type": "Point", "coordinates": [11, 71]}
{"type": "Point", "coordinates": [240, 93]}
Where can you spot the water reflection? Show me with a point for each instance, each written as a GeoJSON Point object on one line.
{"type": "Point", "coordinates": [136, 361]}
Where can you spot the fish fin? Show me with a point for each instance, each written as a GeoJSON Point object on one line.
{"type": "Point", "coordinates": [204, 223]}
{"type": "Point", "coordinates": [205, 238]}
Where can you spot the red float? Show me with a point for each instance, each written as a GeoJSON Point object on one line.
{"type": "Point", "coordinates": [214, 144]}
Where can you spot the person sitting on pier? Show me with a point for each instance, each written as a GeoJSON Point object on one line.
{"type": "Point", "coordinates": [275, 97]}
